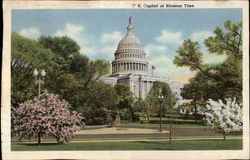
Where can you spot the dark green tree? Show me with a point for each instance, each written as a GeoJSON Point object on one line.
{"type": "Point", "coordinates": [27, 54]}
{"type": "Point", "coordinates": [125, 102]}
{"type": "Point", "coordinates": [63, 46]}
{"type": "Point", "coordinates": [161, 106]}
{"type": "Point", "coordinates": [214, 81]}
{"type": "Point", "coordinates": [229, 43]}
{"type": "Point", "coordinates": [97, 99]}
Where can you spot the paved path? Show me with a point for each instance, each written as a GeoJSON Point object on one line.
{"type": "Point", "coordinates": [176, 132]}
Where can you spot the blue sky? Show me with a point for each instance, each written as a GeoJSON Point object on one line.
{"type": "Point", "coordinates": [98, 31]}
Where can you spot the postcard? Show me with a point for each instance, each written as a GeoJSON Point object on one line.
{"type": "Point", "coordinates": [125, 80]}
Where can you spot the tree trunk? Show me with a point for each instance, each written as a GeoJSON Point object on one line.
{"type": "Point", "coordinates": [170, 127]}
{"type": "Point", "coordinates": [160, 118]}
{"type": "Point", "coordinates": [39, 138]}
{"type": "Point", "coordinates": [224, 135]}
{"type": "Point", "coordinates": [195, 111]}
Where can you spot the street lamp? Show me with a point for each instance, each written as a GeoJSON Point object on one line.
{"type": "Point", "coordinates": [160, 97]}
{"type": "Point", "coordinates": [38, 80]}
{"type": "Point", "coordinates": [170, 126]}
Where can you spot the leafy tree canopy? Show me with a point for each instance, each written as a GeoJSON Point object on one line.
{"type": "Point", "coordinates": [216, 81]}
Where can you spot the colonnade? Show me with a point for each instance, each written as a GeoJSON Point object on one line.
{"type": "Point", "coordinates": [129, 66]}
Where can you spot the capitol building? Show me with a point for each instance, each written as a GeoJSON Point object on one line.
{"type": "Point", "coordinates": [131, 68]}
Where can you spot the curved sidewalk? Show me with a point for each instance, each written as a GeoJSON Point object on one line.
{"type": "Point", "coordinates": [176, 132]}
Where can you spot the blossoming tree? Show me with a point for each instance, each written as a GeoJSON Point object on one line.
{"type": "Point", "coordinates": [224, 116]}
{"type": "Point", "coordinates": [46, 116]}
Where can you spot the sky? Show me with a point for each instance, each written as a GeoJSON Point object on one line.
{"type": "Point", "coordinates": [160, 31]}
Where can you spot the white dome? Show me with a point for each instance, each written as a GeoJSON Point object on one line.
{"type": "Point", "coordinates": [129, 41]}
{"type": "Point", "coordinates": [130, 56]}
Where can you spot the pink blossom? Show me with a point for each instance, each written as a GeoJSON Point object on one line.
{"type": "Point", "coordinates": [47, 116]}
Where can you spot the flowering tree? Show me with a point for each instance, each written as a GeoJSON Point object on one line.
{"type": "Point", "coordinates": [46, 116]}
{"type": "Point", "coordinates": [224, 116]}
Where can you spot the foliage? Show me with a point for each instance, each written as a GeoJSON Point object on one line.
{"type": "Point", "coordinates": [229, 43]}
{"type": "Point", "coordinates": [69, 73]}
{"type": "Point", "coordinates": [224, 116]}
{"type": "Point", "coordinates": [215, 81]}
{"type": "Point", "coordinates": [27, 54]}
{"type": "Point", "coordinates": [63, 46]}
{"type": "Point", "coordinates": [45, 116]}
{"type": "Point", "coordinates": [168, 100]}
{"type": "Point", "coordinates": [96, 102]}
{"type": "Point", "coordinates": [189, 55]}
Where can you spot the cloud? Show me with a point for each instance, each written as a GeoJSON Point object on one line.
{"type": "Point", "coordinates": [167, 37]}
{"type": "Point", "coordinates": [200, 36]}
{"type": "Point", "coordinates": [154, 48]}
{"type": "Point", "coordinates": [33, 33]}
{"type": "Point", "coordinates": [104, 47]}
{"type": "Point", "coordinates": [159, 59]}
{"type": "Point", "coordinates": [72, 31]}
{"type": "Point", "coordinates": [113, 37]}
{"type": "Point", "coordinates": [108, 52]}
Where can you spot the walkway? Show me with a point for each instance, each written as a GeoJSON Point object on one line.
{"type": "Point", "coordinates": [176, 132]}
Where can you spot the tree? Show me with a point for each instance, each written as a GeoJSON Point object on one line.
{"type": "Point", "coordinates": [27, 54]}
{"type": "Point", "coordinates": [144, 106]}
{"type": "Point", "coordinates": [124, 96]}
{"type": "Point", "coordinates": [189, 55]}
{"type": "Point", "coordinates": [124, 101]}
{"type": "Point", "coordinates": [218, 80]}
{"type": "Point", "coordinates": [168, 100]}
{"type": "Point", "coordinates": [63, 45]}
{"type": "Point", "coordinates": [96, 100]}
{"type": "Point", "coordinates": [229, 43]}
{"type": "Point", "coordinates": [224, 116]}
{"type": "Point", "coordinates": [45, 116]}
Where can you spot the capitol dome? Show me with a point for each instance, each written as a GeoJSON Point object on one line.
{"type": "Point", "coordinates": [129, 40]}
{"type": "Point", "coordinates": [130, 55]}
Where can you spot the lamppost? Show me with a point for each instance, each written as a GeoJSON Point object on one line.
{"type": "Point", "coordinates": [39, 79]}
{"type": "Point", "coordinates": [170, 125]}
{"type": "Point", "coordinates": [160, 97]}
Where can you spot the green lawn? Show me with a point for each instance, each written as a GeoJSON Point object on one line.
{"type": "Point", "coordinates": [143, 144]}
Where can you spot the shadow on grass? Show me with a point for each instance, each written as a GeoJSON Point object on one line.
{"type": "Point", "coordinates": [150, 142]}
{"type": "Point", "coordinates": [42, 144]}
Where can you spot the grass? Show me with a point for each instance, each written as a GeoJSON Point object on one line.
{"type": "Point", "coordinates": [138, 124]}
{"type": "Point", "coordinates": [115, 130]}
{"type": "Point", "coordinates": [136, 144]}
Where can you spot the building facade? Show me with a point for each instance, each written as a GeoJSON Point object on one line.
{"type": "Point", "coordinates": [131, 68]}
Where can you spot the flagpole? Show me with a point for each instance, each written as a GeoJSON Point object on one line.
{"type": "Point", "coordinates": [152, 71]}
